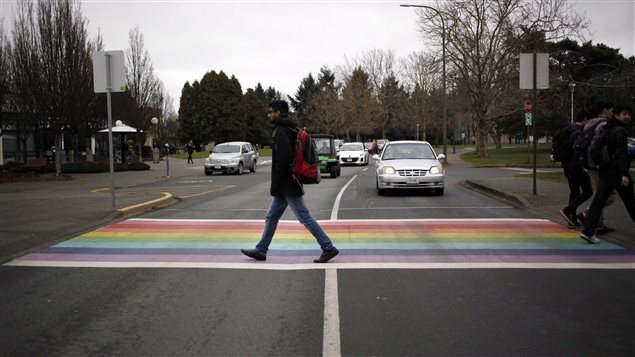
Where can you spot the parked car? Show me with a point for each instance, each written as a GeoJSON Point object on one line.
{"type": "Point", "coordinates": [354, 154]}
{"type": "Point", "coordinates": [329, 161]}
{"type": "Point", "coordinates": [409, 165]}
{"type": "Point", "coordinates": [231, 157]}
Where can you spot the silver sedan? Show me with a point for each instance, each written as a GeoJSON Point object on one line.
{"type": "Point", "coordinates": [409, 165]}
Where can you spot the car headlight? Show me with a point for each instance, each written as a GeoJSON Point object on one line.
{"type": "Point", "coordinates": [234, 161]}
{"type": "Point", "coordinates": [387, 170]}
{"type": "Point", "coordinates": [208, 161]}
{"type": "Point", "coordinates": [436, 170]}
{"type": "Point", "coordinates": [362, 155]}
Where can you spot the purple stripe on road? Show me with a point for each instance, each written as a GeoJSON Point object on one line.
{"type": "Point", "coordinates": [342, 258]}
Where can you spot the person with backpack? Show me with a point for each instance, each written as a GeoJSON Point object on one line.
{"type": "Point", "coordinates": [604, 110]}
{"type": "Point", "coordinates": [614, 173]}
{"type": "Point", "coordinates": [577, 178]}
{"type": "Point", "coordinates": [286, 189]}
{"type": "Point", "coordinates": [189, 147]}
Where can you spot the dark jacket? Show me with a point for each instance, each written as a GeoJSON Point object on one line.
{"type": "Point", "coordinates": [283, 183]}
{"type": "Point", "coordinates": [617, 145]}
{"type": "Point", "coordinates": [574, 131]}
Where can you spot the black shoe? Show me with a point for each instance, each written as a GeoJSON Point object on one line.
{"type": "Point", "coordinates": [326, 256]}
{"type": "Point", "coordinates": [604, 230]}
{"type": "Point", "coordinates": [567, 216]}
{"type": "Point", "coordinates": [252, 253]}
{"type": "Point", "coordinates": [582, 218]}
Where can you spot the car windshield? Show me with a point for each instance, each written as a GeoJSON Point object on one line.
{"type": "Point", "coordinates": [323, 145]}
{"type": "Point", "coordinates": [352, 147]}
{"type": "Point", "coordinates": [225, 149]}
{"type": "Point", "coordinates": [408, 151]}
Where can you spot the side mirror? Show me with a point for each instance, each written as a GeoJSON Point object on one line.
{"type": "Point", "coordinates": [440, 157]}
{"type": "Point", "coordinates": [376, 157]}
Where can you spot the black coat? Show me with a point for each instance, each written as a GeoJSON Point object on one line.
{"type": "Point", "coordinates": [617, 146]}
{"type": "Point", "coordinates": [574, 131]}
{"type": "Point", "coordinates": [283, 183]}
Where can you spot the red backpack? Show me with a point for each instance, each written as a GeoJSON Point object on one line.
{"type": "Point", "coordinates": [307, 161]}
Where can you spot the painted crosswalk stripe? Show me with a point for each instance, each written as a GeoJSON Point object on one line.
{"type": "Point", "coordinates": [414, 243]}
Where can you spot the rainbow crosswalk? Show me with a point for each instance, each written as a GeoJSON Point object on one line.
{"type": "Point", "coordinates": [422, 243]}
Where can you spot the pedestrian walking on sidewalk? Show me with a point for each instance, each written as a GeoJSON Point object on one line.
{"type": "Point", "coordinates": [285, 189]}
{"type": "Point", "coordinates": [613, 176]}
{"type": "Point", "coordinates": [189, 147]}
{"type": "Point", "coordinates": [604, 111]}
{"type": "Point", "coordinates": [577, 178]}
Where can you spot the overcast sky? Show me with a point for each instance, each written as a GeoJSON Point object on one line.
{"type": "Point", "coordinates": [277, 43]}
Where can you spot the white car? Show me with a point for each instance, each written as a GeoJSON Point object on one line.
{"type": "Point", "coordinates": [231, 157]}
{"type": "Point", "coordinates": [409, 165]}
{"type": "Point", "coordinates": [353, 154]}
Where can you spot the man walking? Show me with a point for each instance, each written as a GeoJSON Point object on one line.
{"type": "Point", "coordinates": [604, 110]}
{"type": "Point", "coordinates": [189, 147]}
{"type": "Point", "coordinates": [614, 175]}
{"type": "Point", "coordinates": [286, 189]}
{"type": "Point", "coordinates": [575, 174]}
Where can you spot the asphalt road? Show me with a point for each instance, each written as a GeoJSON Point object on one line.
{"type": "Point", "coordinates": [260, 312]}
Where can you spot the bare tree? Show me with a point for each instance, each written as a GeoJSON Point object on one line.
{"type": "Point", "coordinates": [145, 88]}
{"type": "Point", "coordinates": [422, 74]}
{"type": "Point", "coordinates": [5, 80]}
{"type": "Point", "coordinates": [483, 39]}
{"type": "Point", "coordinates": [51, 62]}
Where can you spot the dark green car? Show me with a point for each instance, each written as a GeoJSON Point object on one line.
{"type": "Point", "coordinates": [329, 160]}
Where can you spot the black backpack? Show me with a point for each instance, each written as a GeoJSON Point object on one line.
{"type": "Point", "coordinates": [562, 147]}
{"type": "Point", "coordinates": [599, 149]}
{"type": "Point", "coordinates": [581, 145]}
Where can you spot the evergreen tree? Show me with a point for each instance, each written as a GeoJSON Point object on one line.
{"type": "Point", "coordinates": [300, 101]}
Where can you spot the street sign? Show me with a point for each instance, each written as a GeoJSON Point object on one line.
{"type": "Point", "coordinates": [528, 106]}
{"type": "Point", "coordinates": [527, 119]}
{"type": "Point", "coordinates": [527, 71]}
{"type": "Point", "coordinates": [117, 71]}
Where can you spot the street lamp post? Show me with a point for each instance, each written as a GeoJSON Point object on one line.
{"type": "Point", "coordinates": [445, 119]}
{"type": "Point", "coordinates": [572, 87]}
{"type": "Point", "coordinates": [155, 149]}
{"type": "Point", "coordinates": [417, 132]}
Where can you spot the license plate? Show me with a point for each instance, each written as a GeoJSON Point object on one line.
{"type": "Point", "coordinates": [217, 167]}
{"type": "Point", "coordinates": [411, 180]}
{"type": "Point", "coordinates": [349, 159]}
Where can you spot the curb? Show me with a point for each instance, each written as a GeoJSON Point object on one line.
{"type": "Point", "coordinates": [473, 185]}
{"type": "Point", "coordinates": [164, 201]}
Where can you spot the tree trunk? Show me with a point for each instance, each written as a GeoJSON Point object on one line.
{"type": "Point", "coordinates": [58, 154]}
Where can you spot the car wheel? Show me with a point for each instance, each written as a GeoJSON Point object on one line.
{"type": "Point", "coordinates": [208, 173]}
{"type": "Point", "coordinates": [253, 168]}
{"type": "Point", "coordinates": [240, 168]}
{"type": "Point", "coordinates": [333, 171]}
{"type": "Point", "coordinates": [439, 191]}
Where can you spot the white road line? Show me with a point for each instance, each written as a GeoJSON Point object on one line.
{"type": "Point", "coordinates": [427, 207]}
{"type": "Point", "coordinates": [331, 343]}
{"type": "Point", "coordinates": [336, 204]}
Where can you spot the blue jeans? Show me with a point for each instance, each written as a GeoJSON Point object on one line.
{"type": "Point", "coordinates": [276, 209]}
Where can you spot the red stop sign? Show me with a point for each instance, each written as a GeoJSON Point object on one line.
{"type": "Point", "coordinates": [528, 106]}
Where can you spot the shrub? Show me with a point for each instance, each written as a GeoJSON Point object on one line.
{"type": "Point", "coordinates": [138, 166]}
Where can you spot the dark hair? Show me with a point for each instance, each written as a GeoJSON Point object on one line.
{"type": "Point", "coordinates": [622, 108]}
{"type": "Point", "coordinates": [582, 114]}
{"type": "Point", "coordinates": [600, 106]}
{"type": "Point", "coordinates": [280, 105]}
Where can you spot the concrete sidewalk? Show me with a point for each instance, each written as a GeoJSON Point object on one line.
{"type": "Point", "coordinates": [38, 214]}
